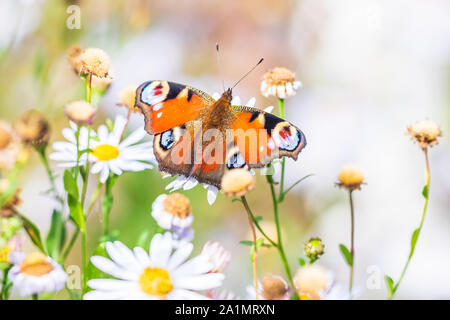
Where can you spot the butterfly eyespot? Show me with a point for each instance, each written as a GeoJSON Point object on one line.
{"type": "Point", "coordinates": [286, 137]}
{"type": "Point", "coordinates": [154, 92]}
{"type": "Point", "coordinates": [167, 140]}
{"type": "Point", "coordinates": [236, 161]}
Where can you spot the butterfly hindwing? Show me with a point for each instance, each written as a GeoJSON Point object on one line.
{"type": "Point", "coordinates": [166, 105]}
{"type": "Point", "coordinates": [262, 137]}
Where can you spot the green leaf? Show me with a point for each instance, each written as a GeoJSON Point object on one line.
{"type": "Point", "coordinates": [70, 185]}
{"type": "Point", "coordinates": [301, 262]}
{"type": "Point", "coordinates": [92, 271]}
{"type": "Point", "coordinates": [259, 243]}
{"type": "Point", "coordinates": [258, 218]}
{"type": "Point", "coordinates": [293, 185]}
{"type": "Point", "coordinates": [4, 265]}
{"type": "Point", "coordinates": [346, 254]}
{"type": "Point", "coordinates": [389, 284]}
{"type": "Point", "coordinates": [76, 210]}
{"type": "Point", "coordinates": [110, 237]}
{"type": "Point", "coordinates": [144, 239]}
{"type": "Point", "coordinates": [33, 232]}
{"type": "Point", "coordinates": [56, 236]}
{"type": "Point", "coordinates": [414, 237]}
{"type": "Point", "coordinates": [108, 198]}
{"type": "Point", "coordinates": [425, 192]}
{"type": "Point", "coordinates": [246, 243]}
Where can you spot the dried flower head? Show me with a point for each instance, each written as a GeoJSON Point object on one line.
{"type": "Point", "coordinates": [74, 58]}
{"type": "Point", "coordinates": [310, 281]}
{"type": "Point", "coordinates": [280, 82]}
{"type": "Point", "coordinates": [350, 177]}
{"type": "Point", "coordinates": [96, 62]}
{"type": "Point", "coordinates": [217, 255]}
{"type": "Point", "coordinates": [274, 288]}
{"type": "Point", "coordinates": [80, 112]}
{"type": "Point", "coordinates": [35, 273]}
{"type": "Point", "coordinates": [237, 182]}
{"type": "Point", "coordinates": [33, 128]}
{"type": "Point", "coordinates": [314, 249]}
{"type": "Point", "coordinates": [9, 146]}
{"type": "Point", "coordinates": [178, 205]}
{"type": "Point", "coordinates": [13, 198]}
{"type": "Point", "coordinates": [128, 97]}
{"type": "Point", "coordinates": [425, 132]}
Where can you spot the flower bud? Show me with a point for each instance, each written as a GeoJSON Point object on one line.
{"type": "Point", "coordinates": [80, 112]}
{"type": "Point", "coordinates": [96, 62]}
{"type": "Point", "coordinates": [33, 128]}
{"type": "Point", "coordinates": [274, 288]}
{"type": "Point", "coordinates": [314, 249]}
{"type": "Point", "coordinates": [425, 133]}
{"type": "Point", "coordinates": [350, 177]}
{"type": "Point", "coordinates": [128, 98]}
{"type": "Point", "coordinates": [280, 82]}
{"type": "Point", "coordinates": [237, 182]}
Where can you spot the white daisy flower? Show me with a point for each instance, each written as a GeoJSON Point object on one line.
{"type": "Point", "coordinates": [66, 152]}
{"type": "Point", "coordinates": [271, 287]}
{"type": "Point", "coordinates": [281, 83]}
{"type": "Point", "coordinates": [173, 212]}
{"type": "Point", "coordinates": [159, 274]}
{"type": "Point", "coordinates": [217, 255]}
{"type": "Point", "coordinates": [112, 155]}
{"type": "Point", "coordinates": [315, 282]}
{"type": "Point", "coordinates": [35, 273]}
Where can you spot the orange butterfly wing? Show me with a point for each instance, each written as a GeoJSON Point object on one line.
{"type": "Point", "coordinates": [166, 105]}
{"type": "Point", "coordinates": [262, 137]}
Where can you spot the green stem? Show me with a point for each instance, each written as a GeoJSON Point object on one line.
{"type": "Point", "coordinates": [283, 161]}
{"type": "Point", "coordinates": [419, 229]}
{"type": "Point", "coordinates": [92, 202]}
{"type": "Point", "coordinates": [277, 224]}
{"type": "Point", "coordinates": [3, 293]}
{"type": "Point", "coordinates": [84, 259]}
{"type": "Point", "coordinates": [247, 207]}
{"type": "Point", "coordinates": [70, 245]}
{"type": "Point", "coordinates": [89, 88]}
{"type": "Point", "coordinates": [254, 256]}
{"type": "Point", "coordinates": [352, 237]}
{"type": "Point", "coordinates": [51, 178]}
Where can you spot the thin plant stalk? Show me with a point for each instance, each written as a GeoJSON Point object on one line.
{"type": "Point", "coordinates": [279, 245]}
{"type": "Point", "coordinates": [276, 201]}
{"type": "Point", "coordinates": [84, 259]}
{"type": "Point", "coordinates": [283, 161]}
{"type": "Point", "coordinates": [352, 239]}
{"type": "Point", "coordinates": [75, 234]}
{"type": "Point", "coordinates": [50, 175]}
{"type": "Point", "coordinates": [255, 249]}
{"type": "Point", "coordinates": [419, 229]}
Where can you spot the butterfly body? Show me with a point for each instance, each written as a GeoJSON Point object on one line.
{"type": "Point", "coordinates": [199, 137]}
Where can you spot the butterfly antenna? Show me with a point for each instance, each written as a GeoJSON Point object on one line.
{"type": "Point", "coordinates": [218, 66]}
{"type": "Point", "coordinates": [245, 75]}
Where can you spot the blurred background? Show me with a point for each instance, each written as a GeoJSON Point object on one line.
{"type": "Point", "coordinates": [369, 69]}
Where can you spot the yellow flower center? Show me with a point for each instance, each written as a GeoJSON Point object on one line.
{"type": "Point", "coordinates": [36, 264]}
{"type": "Point", "coordinates": [279, 76]}
{"type": "Point", "coordinates": [105, 152]}
{"type": "Point", "coordinates": [4, 254]}
{"type": "Point", "coordinates": [155, 281]}
{"type": "Point", "coordinates": [178, 205]}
